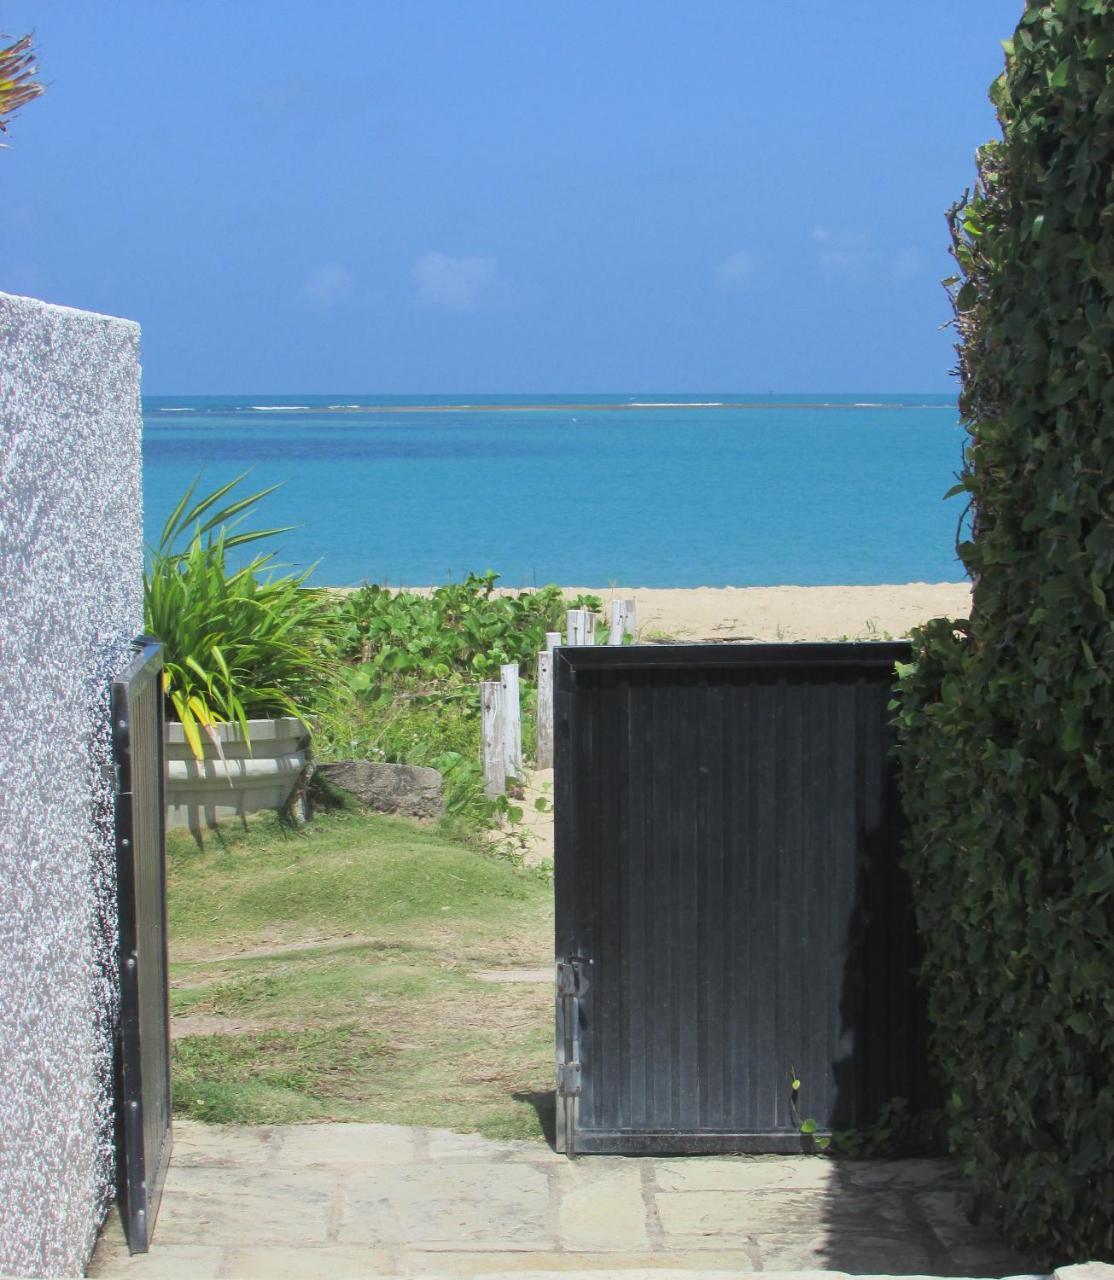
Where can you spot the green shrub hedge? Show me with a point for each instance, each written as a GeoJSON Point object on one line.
{"type": "Point", "coordinates": [462, 629]}
{"type": "Point", "coordinates": [1006, 725]}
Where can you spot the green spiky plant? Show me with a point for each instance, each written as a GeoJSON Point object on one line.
{"type": "Point", "coordinates": [17, 78]}
{"type": "Point", "coordinates": [238, 643]}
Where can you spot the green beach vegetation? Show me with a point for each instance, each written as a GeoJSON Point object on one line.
{"type": "Point", "coordinates": [460, 630]}
{"type": "Point", "coordinates": [411, 664]}
{"type": "Point", "coordinates": [238, 643]}
{"type": "Point", "coordinates": [375, 674]}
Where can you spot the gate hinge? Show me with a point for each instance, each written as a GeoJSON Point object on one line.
{"type": "Point", "coordinates": [571, 979]}
{"type": "Point", "coordinates": [111, 774]}
{"type": "Point", "coordinates": [568, 1079]}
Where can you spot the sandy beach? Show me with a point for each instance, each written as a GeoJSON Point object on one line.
{"type": "Point", "coordinates": [788, 613]}
{"type": "Point", "coordinates": [885, 611]}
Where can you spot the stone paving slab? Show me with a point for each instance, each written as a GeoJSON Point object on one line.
{"type": "Point", "coordinates": [382, 1201]}
{"type": "Point", "coordinates": [604, 1213]}
{"type": "Point", "coordinates": [430, 1206]}
{"type": "Point", "coordinates": [254, 1206]}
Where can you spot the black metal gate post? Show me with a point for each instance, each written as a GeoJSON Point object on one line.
{"type": "Point", "coordinates": [144, 1040]}
{"type": "Point", "coordinates": [731, 912]}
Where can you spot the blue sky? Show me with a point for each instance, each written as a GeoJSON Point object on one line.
{"type": "Point", "coordinates": [364, 196]}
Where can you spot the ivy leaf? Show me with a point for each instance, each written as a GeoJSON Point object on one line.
{"type": "Point", "coordinates": [1102, 880]}
{"type": "Point", "coordinates": [966, 298]}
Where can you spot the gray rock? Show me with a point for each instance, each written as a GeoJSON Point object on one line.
{"type": "Point", "coordinates": [409, 790]}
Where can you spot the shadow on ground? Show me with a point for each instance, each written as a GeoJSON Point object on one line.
{"type": "Point", "coordinates": [904, 1217]}
{"type": "Point", "coordinates": [544, 1103]}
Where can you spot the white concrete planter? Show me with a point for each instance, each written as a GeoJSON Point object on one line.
{"type": "Point", "coordinates": [200, 793]}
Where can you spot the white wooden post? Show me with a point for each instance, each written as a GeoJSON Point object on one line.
{"type": "Point", "coordinates": [575, 624]}
{"type": "Point", "coordinates": [545, 709]}
{"type": "Point", "coordinates": [552, 640]}
{"type": "Point", "coordinates": [622, 621]}
{"type": "Point", "coordinates": [491, 703]}
{"type": "Point", "coordinates": [582, 626]}
{"type": "Point", "coordinates": [512, 721]}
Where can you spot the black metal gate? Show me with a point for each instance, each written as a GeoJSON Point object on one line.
{"type": "Point", "coordinates": [732, 920]}
{"type": "Point", "coordinates": [144, 1042]}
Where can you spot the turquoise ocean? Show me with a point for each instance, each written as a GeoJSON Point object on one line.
{"type": "Point", "coordinates": [652, 490]}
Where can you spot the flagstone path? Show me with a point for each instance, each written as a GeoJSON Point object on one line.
{"type": "Point", "coordinates": [346, 1201]}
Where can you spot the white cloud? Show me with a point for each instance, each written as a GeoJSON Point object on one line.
{"type": "Point", "coordinates": [853, 253]}
{"type": "Point", "coordinates": [843, 259]}
{"type": "Point", "coordinates": [843, 252]}
{"type": "Point", "coordinates": [328, 284]}
{"type": "Point", "coordinates": [456, 284]}
{"type": "Point", "coordinates": [842, 240]}
{"type": "Point", "coordinates": [735, 268]}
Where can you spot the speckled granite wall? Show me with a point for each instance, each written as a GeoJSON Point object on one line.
{"type": "Point", "coordinates": [70, 603]}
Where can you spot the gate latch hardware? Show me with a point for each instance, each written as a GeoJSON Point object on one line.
{"type": "Point", "coordinates": [570, 978]}
{"type": "Point", "coordinates": [568, 1079]}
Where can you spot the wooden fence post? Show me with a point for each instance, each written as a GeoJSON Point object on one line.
{"type": "Point", "coordinates": [582, 626]}
{"type": "Point", "coordinates": [622, 621]}
{"type": "Point", "coordinates": [491, 703]}
{"type": "Point", "coordinates": [545, 709]}
{"type": "Point", "coordinates": [552, 640]}
{"type": "Point", "coordinates": [512, 721]}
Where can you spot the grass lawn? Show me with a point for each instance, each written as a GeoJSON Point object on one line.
{"type": "Point", "coordinates": [329, 973]}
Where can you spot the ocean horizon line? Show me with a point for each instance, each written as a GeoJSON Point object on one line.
{"type": "Point", "coordinates": [493, 401]}
{"type": "Point", "coordinates": [273, 407]}
{"type": "Point", "coordinates": [568, 406]}
{"type": "Point", "coordinates": [490, 394]}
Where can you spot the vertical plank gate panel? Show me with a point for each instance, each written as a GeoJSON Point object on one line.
{"type": "Point", "coordinates": [144, 1042]}
{"type": "Point", "coordinates": [731, 912]}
